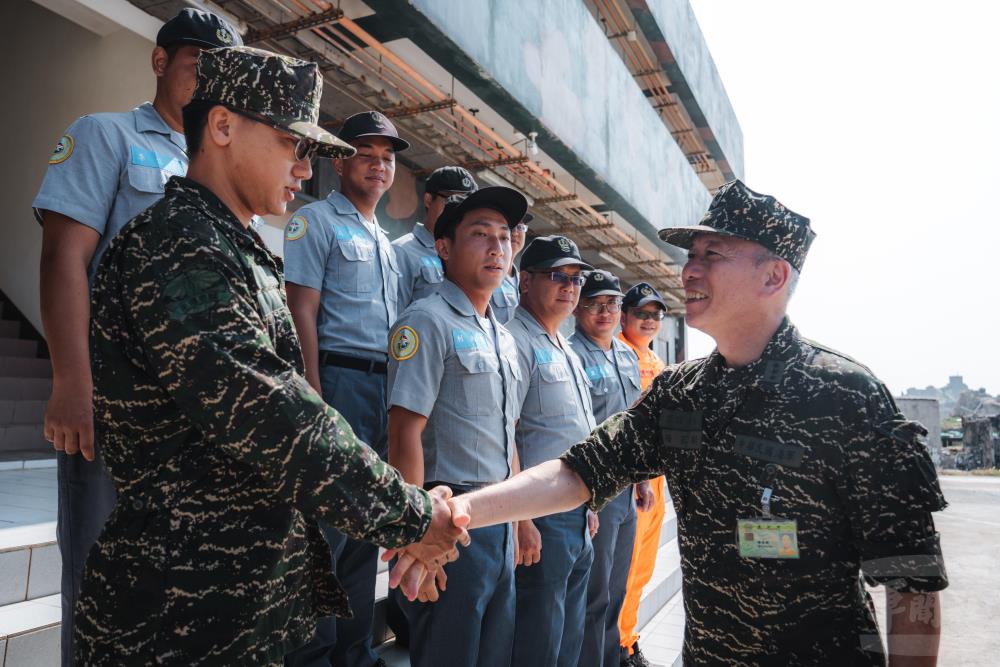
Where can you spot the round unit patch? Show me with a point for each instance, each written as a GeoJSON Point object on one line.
{"type": "Point", "coordinates": [404, 343]}
{"type": "Point", "coordinates": [224, 36]}
{"type": "Point", "coordinates": [63, 149]}
{"type": "Point", "coordinates": [564, 244]}
{"type": "Point", "coordinates": [646, 291]}
{"type": "Point", "coordinates": [296, 228]}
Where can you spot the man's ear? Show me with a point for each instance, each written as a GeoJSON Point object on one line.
{"type": "Point", "coordinates": [160, 59]}
{"type": "Point", "coordinates": [338, 166]}
{"type": "Point", "coordinates": [221, 125]}
{"type": "Point", "coordinates": [443, 248]}
{"type": "Point", "coordinates": [524, 281]}
{"type": "Point", "coordinates": [777, 276]}
{"type": "Point", "coordinates": [428, 198]}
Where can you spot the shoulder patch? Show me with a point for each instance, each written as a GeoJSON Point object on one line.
{"type": "Point", "coordinates": [62, 151]}
{"type": "Point", "coordinates": [296, 228]}
{"type": "Point", "coordinates": [195, 292]}
{"type": "Point", "coordinates": [404, 343]}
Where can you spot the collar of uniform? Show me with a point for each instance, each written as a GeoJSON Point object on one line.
{"type": "Point", "coordinates": [639, 352]}
{"type": "Point", "coordinates": [422, 235]}
{"type": "Point", "coordinates": [343, 206]}
{"type": "Point", "coordinates": [765, 372]}
{"type": "Point", "coordinates": [591, 344]}
{"type": "Point", "coordinates": [148, 119]}
{"type": "Point", "coordinates": [185, 187]}
{"type": "Point", "coordinates": [533, 326]}
{"type": "Point", "coordinates": [456, 298]}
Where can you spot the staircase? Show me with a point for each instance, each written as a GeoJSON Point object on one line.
{"type": "Point", "coordinates": [25, 384]}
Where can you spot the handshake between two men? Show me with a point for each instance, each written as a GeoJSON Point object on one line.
{"type": "Point", "coordinates": [547, 488]}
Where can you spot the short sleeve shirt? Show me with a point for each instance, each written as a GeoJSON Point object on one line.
{"type": "Point", "coordinates": [556, 410]}
{"type": "Point", "coordinates": [460, 371]}
{"type": "Point", "coordinates": [109, 167]}
{"type": "Point", "coordinates": [506, 298]}
{"type": "Point", "coordinates": [420, 269]}
{"type": "Point", "coordinates": [824, 435]}
{"type": "Point", "coordinates": [331, 248]}
{"type": "Point", "coordinates": [613, 374]}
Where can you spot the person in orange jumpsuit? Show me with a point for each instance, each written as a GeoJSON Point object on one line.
{"type": "Point", "coordinates": [642, 311]}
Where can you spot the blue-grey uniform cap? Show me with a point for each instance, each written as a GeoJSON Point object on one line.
{"type": "Point", "coordinates": [601, 283]}
{"type": "Point", "coordinates": [551, 252]}
{"type": "Point", "coordinates": [508, 202]}
{"type": "Point", "coordinates": [195, 27]}
{"type": "Point", "coordinates": [640, 294]}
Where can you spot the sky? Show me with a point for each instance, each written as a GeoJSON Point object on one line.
{"type": "Point", "coordinates": [880, 121]}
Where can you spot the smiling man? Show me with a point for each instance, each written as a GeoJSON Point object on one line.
{"type": "Point", "coordinates": [453, 403]}
{"type": "Point", "coordinates": [343, 289]}
{"type": "Point", "coordinates": [794, 475]}
{"type": "Point", "coordinates": [222, 455]}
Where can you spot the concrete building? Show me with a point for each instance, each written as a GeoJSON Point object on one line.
{"type": "Point", "coordinates": [927, 411]}
{"type": "Point", "coordinates": [608, 114]}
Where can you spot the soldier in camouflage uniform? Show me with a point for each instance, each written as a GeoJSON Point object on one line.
{"type": "Point", "coordinates": [222, 455]}
{"type": "Point", "coordinates": [794, 476]}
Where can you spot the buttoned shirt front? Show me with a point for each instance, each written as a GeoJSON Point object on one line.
{"type": "Point", "coordinates": [331, 248]}
{"type": "Point", "coordinates": [460, 371]}
{"type": "Point", "coordinates": [614, 381]}
{"type": "Point", "coordinates": [108, 168]}
{"type": "Point", "coordinates": [556, 410]}
{"type": "Point", "coordinates": [420, 269]}
{"type": "Point", "coordinates": [506, 298]}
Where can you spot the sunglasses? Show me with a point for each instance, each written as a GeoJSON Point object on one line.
{"type": "Point", "coordinates": [564, 278]}
{"type": "Point", "coordinates": [646, 315]}
{"type": "Point", "coordinates": [598, 308]}
{"type": "Point", "coordinates": [305, 149]}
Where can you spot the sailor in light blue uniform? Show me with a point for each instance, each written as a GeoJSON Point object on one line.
{"type": "Point", "coordinates": [105, 169]}
{"type": "Point", "coordinates": [420, 267]}
{"type": "Point", "coordinates": [613, 370]}
{"type": "Point", "coordinates": [555, 552]}
{"type": "Point", "coordinates": [506, 297]}
{"type": "Point", "coordinates": [453, 396]}
{"type": "Point", "coordinates": [342, 280]}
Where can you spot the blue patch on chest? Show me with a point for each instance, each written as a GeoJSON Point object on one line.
{"type": "Point", "coordinates": [546, 356]}
{"type": "Point", "coordinates": [147, 158]}
{"type": "Point", "coordinates": [345, 233]}
{"type": "Point", "coordinates": [469, 340]}
{"type": "Point", "coordinates": [595, 373]}
{"type": "Point", "coordinates": [432, 261]}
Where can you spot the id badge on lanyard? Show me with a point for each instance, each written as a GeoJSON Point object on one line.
{"type": "Point", "coordinates": [767, 536]}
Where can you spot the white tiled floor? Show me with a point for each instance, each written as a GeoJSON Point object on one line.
{"type": "Point", "coordinates": [662, 638]}
{"type": "Point", "coordinates": [27, 496]}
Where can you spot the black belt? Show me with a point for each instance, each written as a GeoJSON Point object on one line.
{"type": "Point", "coordinates": [355, 363]}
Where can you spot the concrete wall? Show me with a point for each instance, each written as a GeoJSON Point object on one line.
{"type": "Point", "coordinates": [554, 59]}
{"type": "Point", "coordinates": [677, 21]}
{"type": "Point", "coordinates": [62, 71]}
{"type": "Point", "coordinates": [927, 412]}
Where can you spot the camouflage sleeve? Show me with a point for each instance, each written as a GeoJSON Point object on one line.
{"type": "Point", "coordinates": [205, 342]}
{"type": "Point", "coordinates": [621, 451]}
{"type": "Point", "coordinates": [890, 488]}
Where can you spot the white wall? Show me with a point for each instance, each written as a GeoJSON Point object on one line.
{"type": "Point", "coordinates": [56, 72]}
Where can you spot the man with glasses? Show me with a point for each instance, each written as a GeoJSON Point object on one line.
{"type": "Point", "coordinates": [343, 290]}
{"type": "Point", "coordinates": [420, 267]}
{"type": "Point", "coordinates": [643, 309]}
{"type": "Point", "coordinates": [613, 370]}
{"type": "Point", "coordinates": [554, 552]}
{"type": "Point", "coordinates": [106, 169]}
{"type": "Point", "coordinates": [506, 297]}
{"type": "Point", "coordinates": [223, 457]}
{"type": "Point", "coordinates": [453, 389]}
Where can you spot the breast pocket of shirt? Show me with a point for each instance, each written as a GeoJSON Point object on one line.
{"type": "Point", "coordinates": [478, 392]}
{"type": "Point", "coordinates": [355, 271]}
{"type": "Point", "coordinates": [147, 180]}
{"type": "Point", "coordinates": [431, 271]}
{"type": "Point", "coordinates": [554, 388]}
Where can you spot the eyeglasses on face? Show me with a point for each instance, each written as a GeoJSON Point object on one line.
{"type": "Point", "coordinates": [305, 148]}
{"type": "Point", "coordinates": [647, 315]}
{"type": "Point", "coordinates": [521, 227]}
{"type": "Point", "coordinates": [564, 278]}
{"type": "Point", "coordinates": [598, 308]}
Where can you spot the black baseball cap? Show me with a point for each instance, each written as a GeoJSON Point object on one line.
{"type": "Point", "coordinates": [508, 202]}
{"type": "Point", "coordinates": [198, 28]}
{"type": "Point", "coordinates": [550, 252]}
{"type": "Point", "coordinates": [451, 179]}
{"type": "Point", "coordinates": [640, 294]}
{"type": "Point", "coordinates": [372, 124]}
{"type": "Point", "coordinates": [601, 283]}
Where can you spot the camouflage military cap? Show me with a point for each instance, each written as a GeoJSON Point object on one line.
{"type": "Point", "coordinates": [738, 211]}
{"type": "Point", "coordinates": [280, 89]}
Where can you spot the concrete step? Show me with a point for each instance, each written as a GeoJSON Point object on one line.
{"type": "Point", "coordinates": [21, 412]}
{"type": "Point", "coordinates": [21, 459]}
{"type": "Point", "coordinates": [30, 564]}
{"type": "Point", "coordinates": [25, 367]}
{"type": "Point", "coordinates": [10, 329]}
{"type": "Point", "coordinates": [17, 347]}
{"type": "Point", "coordinates": [23, 437]}
{"type": "Point", "coordinates": [29, 632]}
{"type": "Point", "coordinates": [25, 389]}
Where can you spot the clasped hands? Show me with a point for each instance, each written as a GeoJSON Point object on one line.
{"type": "Point", "coordinates": [421, 565]}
